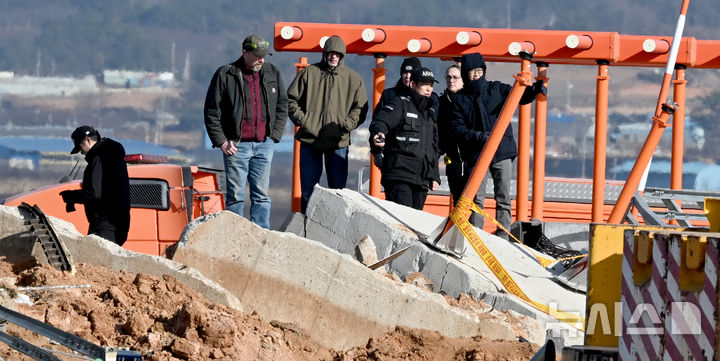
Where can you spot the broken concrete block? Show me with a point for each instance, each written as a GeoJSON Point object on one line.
{"type": "Point", "coordinates": [334, 297]}
{"type": "Point", "coordinates": [367, 254]}
{"type": "Point", "coordinates": [98, 251]}
{"type": "Point", "coordinates": [294, 223]}
{"type": "Point", "coordinates": [394, 226]}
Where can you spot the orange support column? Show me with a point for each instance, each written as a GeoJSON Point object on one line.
{"type": "Point", "coordinates": [523, 162]}
{"type": "Point", "coordinates": [296, 191]}
{"type": "Point", "coordinates": [538, 195]}
{"type": "Point", "coordinates": [378, 87]}
{"type": "Point", "coordinates": [601, 110]}
{"type": "Point", "coordinates": [678, 135]}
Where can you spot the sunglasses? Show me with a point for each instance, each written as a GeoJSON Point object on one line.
{"type": "Point", "coordinates": [260, 44]}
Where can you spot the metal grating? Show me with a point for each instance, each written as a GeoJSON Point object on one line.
{"type": "Point", "coordinates": [149, 193]}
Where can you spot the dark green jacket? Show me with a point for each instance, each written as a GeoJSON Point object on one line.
{"type": "Point", "coordinates": [225, 101]}
{"type": "Point", "coordinates": [327, 104]}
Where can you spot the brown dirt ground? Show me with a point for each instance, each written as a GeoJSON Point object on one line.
{"type": "Point", "coordinates": [166, 321]}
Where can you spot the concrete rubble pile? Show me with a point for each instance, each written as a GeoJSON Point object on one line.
{"type": "Point", "coordinates": [342, 219]}
{"type": "Point", "coordinates": [288, 278]}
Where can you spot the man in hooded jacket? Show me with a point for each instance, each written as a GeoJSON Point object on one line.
{"type": "Point", "coordinates": [105, 187]}
{"type": "Point", "coordinates": [327, 100]}
{"type": "Point", "coordinates": [476, 110]}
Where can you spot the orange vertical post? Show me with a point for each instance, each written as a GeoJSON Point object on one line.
{"type": "Point", "coordinates": [538, 195]}
{"type": "Point", "coordinates": [678, 136]}
{"type": "Point", "coordinates": [296, 191]}
{"type": "Point", "coordinates": [378, 87]}
{"type": "Point", "coordinates": [522, 80]}
{"type": "Point", "coordinates": [662, 114]}
{"type": "Point", "coordinates": [600, 157]}
{"type": "Point", "coordinates": [523, 162]}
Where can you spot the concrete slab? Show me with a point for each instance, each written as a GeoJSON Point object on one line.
{"type": "Point", "coordinates": [337, 299]}
{"type": "Point", "coordinates": [391, 227]}
{"type": "Point", "coordinates": [98, 251]}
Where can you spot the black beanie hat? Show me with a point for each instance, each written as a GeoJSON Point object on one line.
{"type": "Point", "coordinates": [410, 64]}
{"type": "Point", "coordinates": [472, 61]}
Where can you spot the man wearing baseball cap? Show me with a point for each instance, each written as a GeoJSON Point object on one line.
{"type": "Point", "coordinates": [105, 189]}
{"type": "Point", "coordinates": [245, 115]}
{"type": "Point", "coordinates": [405, 128]}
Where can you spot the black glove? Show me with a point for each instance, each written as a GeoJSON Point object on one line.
{"type": "Point", "coordinates": [70, 198]}
{"type": "Point", "coordinates": [540, 88]}
{"type": "Point", "coordinates": [378, 158]}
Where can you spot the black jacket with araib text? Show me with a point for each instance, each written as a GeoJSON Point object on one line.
{"type": "Point", "coordinates": [411, 140]}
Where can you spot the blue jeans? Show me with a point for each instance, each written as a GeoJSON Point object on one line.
{"type": "Point", "coordinates": [311, 167]}
{"type": "Point", "coordinates": [251, 164]}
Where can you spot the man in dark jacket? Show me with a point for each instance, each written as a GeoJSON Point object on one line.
{"type": "Point", "coordinates": [477, 107]}
{"type": "Point", "coordinates": [327, 100]}
{"type": "Point", "coordinates": [105, 189]}
{"type": "Point", "coordinates": [245, 115]}
{"type": "Point", "coordinates": [448, 146]}
{"type": "Point", "coordinates": [406, 128]}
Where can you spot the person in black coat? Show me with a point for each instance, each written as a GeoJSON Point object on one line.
{"type": "Point", "coordinates": [477, 107]}
{"type": "Point", "coordinates": [448, 146]}
{"type": "Point", "coordinates": [105, 189]}
{"type": "Point", "coordinates": [406, 129]}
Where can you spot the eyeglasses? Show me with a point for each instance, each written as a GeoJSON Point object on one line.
{"type": "Point", "coordinates": [476, 71]}
{"type": "Point", "coordinates": [450, 77]}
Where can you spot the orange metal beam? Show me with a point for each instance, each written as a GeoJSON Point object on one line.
{"type": "Point", "coordinates": [378, 87]}
{"type": "Point", "coordinates": [551, 46]}
{"type": "Point", "coordinates": [678, 135]}
{"type": "Point", "coordinates": [600, 158]}
{"type": "Point", "coordinates": [538, 196]}
{"type": "Point", "coordinates": [523, 159]}
{"type": "Point", "coordinates": [296, 191]}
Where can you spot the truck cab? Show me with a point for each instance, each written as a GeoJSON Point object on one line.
{"type": "Point", "coordinates": [164, 198]}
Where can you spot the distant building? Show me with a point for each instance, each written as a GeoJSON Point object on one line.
{"type": "Point", "coordinates": [138, 79]}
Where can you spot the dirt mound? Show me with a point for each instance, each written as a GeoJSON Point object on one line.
{"type": "Point", "coordinates": [165, 320]}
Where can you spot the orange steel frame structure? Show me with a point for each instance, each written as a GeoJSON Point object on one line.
{"type": "Point", "coordinates": [601, 49]}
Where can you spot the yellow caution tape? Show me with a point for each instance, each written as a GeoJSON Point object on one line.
{"type": "Point", "coordinates": [457, 215]}
{"type": "Point", "coordinates": [544, 261]}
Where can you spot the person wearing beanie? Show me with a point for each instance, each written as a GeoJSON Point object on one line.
{"type": "Point", "coordinates": [406, 129]}
{"type": "Point", "coordinates": [245, 114]}
{"type": "Point", "coordinates": [476, 109]}
{"type": "Point", "coordinates": [105, 188]}
{"type": "Point", "coordinates": [402, 86]}
{"type": "Point", "coordinates": [327, 100]}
